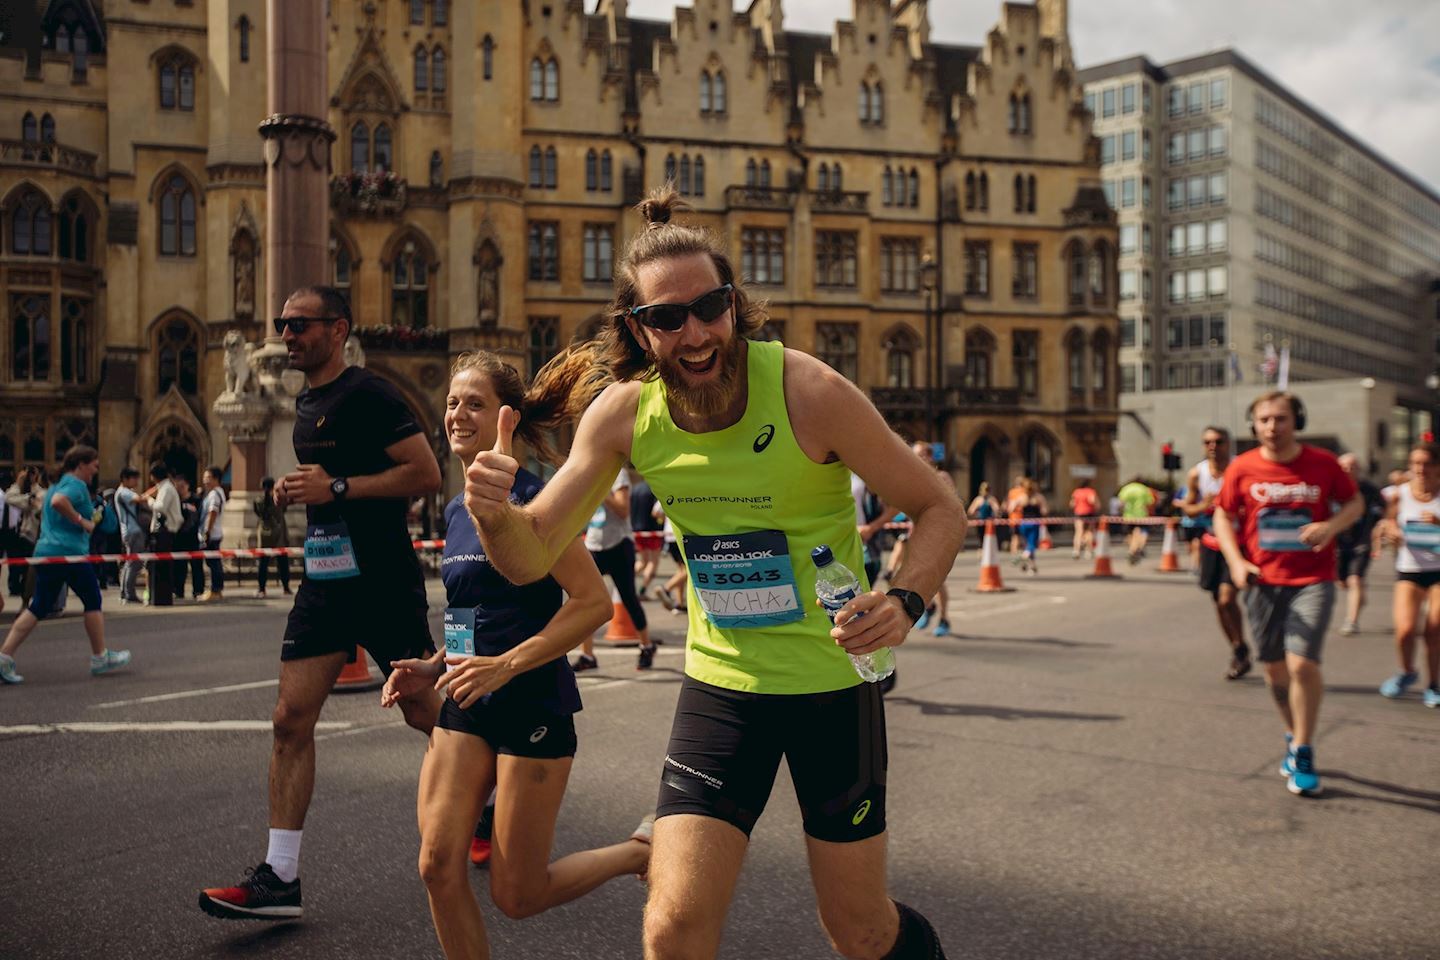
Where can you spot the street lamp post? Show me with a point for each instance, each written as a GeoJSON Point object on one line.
{"type": "Point", "coordinates": [935, 399]}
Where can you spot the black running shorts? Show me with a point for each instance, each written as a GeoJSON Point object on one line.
{"type": "Point", "coordinates": [725, 749]}
{"type": "Point", "coordinates": [1214, 571]}
{"type": "Point", "coordinates": [1352, 562]}
{"type": "Point", "coordinates": [387, 619]}
{"type": "Point", "coordinates": [536, 735]}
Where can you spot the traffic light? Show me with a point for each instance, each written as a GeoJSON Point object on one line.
{"type": "Point", "coordinates": [1169, 459]}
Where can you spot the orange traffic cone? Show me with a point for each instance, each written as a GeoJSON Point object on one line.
{"type": "Point", "coordinates": [621, 629]}
{"type": "Point", "coordinates": [356, 677]}
{"type": "Point", "coordinates": [1103, 570]}
{"type": "Point", "coordinates": [990, 581]}
{"type": "Point", "coordinates": [1169, 553]}
{"type": "Point", "coordinates": [1045, 542]}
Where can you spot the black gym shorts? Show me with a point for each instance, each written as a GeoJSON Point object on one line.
{"type": "Point", "coordinates": [725, 749]}
{"type": "Point", "coordinates": [1424, 579]}
{"type": "Point", "coordinates": [387, 619]}
{"type": "Point", "coordinates": [535, 735]}
{"type": "Point", "coordinates": [1352, 562]}
{"type": "Point", "coordinates": [1214, 571]}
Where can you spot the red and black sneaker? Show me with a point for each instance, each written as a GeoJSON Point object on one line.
{"type": "Point", "coordinates": [260, 896]}
{"type": "Point", "coordinates": [479, 851]}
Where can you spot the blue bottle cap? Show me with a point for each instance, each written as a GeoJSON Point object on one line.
{"type": "Point", "coordinates": [822, 555]}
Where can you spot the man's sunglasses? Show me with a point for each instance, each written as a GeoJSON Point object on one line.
{"type": "Point", "coordinates": [296, 325]}
{"type": "Point", "coordinates": [672, 316]}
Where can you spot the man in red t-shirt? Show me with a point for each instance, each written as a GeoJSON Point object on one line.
{"type": "Point", "coordinates": [1280, 496]}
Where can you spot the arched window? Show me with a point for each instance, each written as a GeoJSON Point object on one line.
{"type": "Point", "coordinates": [900, 347]}
{"type": "Point", "coordinates": [704, 91]}
{"type": "Point", "coordinates": [1030, 194]}
{"type": "Point", "coordinates": [410, 287]}
{"type": "Point", "coordinates": [28, 130]}
{"type": "Point", "coordinates": [537, 79]}
{"type": "Point", "coordinates": [437, 169]}
{"type": "Point", "coordinates": [417, 11]}
{"type": "Point", "coordinates": [177, 81]}
{"type": "Point", "coordinates": [822, 178]}
{"type": "Point", "coordinates": [1013, 116]}
{"type": "Point", "coordinates": [30, 338]}
{"type": "Point", "coordinates": [177, 217]}
{"type": "Point", "coordinates": [979, 358]}
{"type": "Point", "coordinates": [1038, 453]}
{"type": "Point", "coordinates": [670, 168]}
{"type": "Point", "coordinates": [244, 27]}
{"type": "Point", "coordinates": [441, 13]}
{"type": "Point", "coordinates": [751, 176]}
{"type": "Point", "coordinates": [384, 149]}
{"type": "Point", "coordinates": [552, 168]}
{"type": "Point", "coordinates": [764, 173]}
{"type": "Point", "coordinates": [487, 57]}
{"type": "Point", "coordinates": [699, 190]}
{"type": "Point", "coordinates": [1100, 368]}
{"type": "Point", "coordinates": [74, 231]}
{"type": "Point", "coordinates": [422, 70]}
{"type": "Point", "coordinates": [80, 46]}
{"type": "Point", "coordinates": [877, 103]}
{"type": "Point", "coordinates": [1019, 193]}
{"type": "Point", "coordinates": [537, 170]}
{"type": "Point", "coordinates": [1099, 275]}
{"type": "Point", "coordinates": [970, 199]}
{"type": "Point", "coordinates": [74, 341]}
{"type": "Point", "coordinates": [359, 147]}
{"type": "Point", "coordinates": [437, 71]}
{"type": "Point", "coordinates": [552, 80]}
{"type": "Point", "coordinates": [592, 170]}
{"type": "Point", "coordinates": [177, 353]}
{"type": "Point", "coordinates": [1025, 114]}
{"type": "Point", "coordinates": [607, 181]}
{"type": "Point", "coordinates": [984, 191]}
{"type": "Point", "coordinates": [342, 263]}
{"type": "Point", "coordinates": [62, 39]}
{"type": "Point", "coordinates": [914, 187]}
{"type": "Point", "coordinates": [1076, 256]}
{"type": "Point", "coordinates": [685, 175]}
{"type": "Point", "coordinates": [30, 226]}
{"type": "Point", "coordinates": [887, 197]}
{"type": "Point", "coordinates": [1075, 372]}
{"type": "Point", "coordinates": [837, 181]}
{"type": "Point", "coordinates": [864, 102]}
{"type": "Point", "coordinates": [717, 96]}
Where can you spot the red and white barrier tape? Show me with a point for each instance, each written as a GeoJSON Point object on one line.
{"type": "Point", "coordinates": [1051, 521]}
{"type": "Point", "coordinates": [185, 555]}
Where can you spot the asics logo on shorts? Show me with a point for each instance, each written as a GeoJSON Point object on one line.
{"type": "Point", "coordinates": [861, 812]}
{"type": "Point", "coordinates": [539, 734]}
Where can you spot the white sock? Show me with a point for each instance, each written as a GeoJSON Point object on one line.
{"type": "Point", "coordinates": [100, 657]}
{"type": "Point", "coordinates": [284, 853]}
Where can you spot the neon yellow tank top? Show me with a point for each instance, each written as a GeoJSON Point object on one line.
{"type": "Point", "coordinates": [748, 506]}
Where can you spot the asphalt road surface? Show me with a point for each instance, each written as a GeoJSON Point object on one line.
{"type": "Point", "coordinates": [1069, 777]}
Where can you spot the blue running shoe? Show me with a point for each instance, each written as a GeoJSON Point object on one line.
{"type": "Point", "coordinates": [924, 621]}
{"type": "Point", "coordinates": [1398, 684]}
{"type": "Point", "coordinates": [7, 670]}
{"type": "Point", "coordinates": [1432, 696]}
{"type": "Point", "coordinates": [1287, 766]}
{"type": "Point", "coordinates": [109, 660]}
{"type": "Point", "coordinates": [942, 629]}
{"type": "Point", "coordinates": [1304, 782]}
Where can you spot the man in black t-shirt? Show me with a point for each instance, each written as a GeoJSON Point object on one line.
{"type": "Point", "coordinates": [1352, 555]}
{"type": "Point", "coordinates": [362, 459]}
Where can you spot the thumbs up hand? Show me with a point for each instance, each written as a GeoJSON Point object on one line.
{"type": "Point", "coordinates": [490, 477]}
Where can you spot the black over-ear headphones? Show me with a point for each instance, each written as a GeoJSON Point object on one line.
{"type": "Point", "coordinates": [1297, 410]}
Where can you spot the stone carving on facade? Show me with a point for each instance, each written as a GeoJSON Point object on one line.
{"type": "Point", "coordinates": [354, 353]}
{"type": "Point", "coordinates": [487, 290]}
{"type": "Point", "coordinates": [239, 375]}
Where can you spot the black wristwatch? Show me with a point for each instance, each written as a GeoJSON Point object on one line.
{"type": "Point", "coordinates": [913, 603]}
{"type": "Point", "coordinates": [339, 487]}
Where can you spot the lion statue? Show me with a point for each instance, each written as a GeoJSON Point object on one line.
{"type": "Point", "coordinates": [239, 376]}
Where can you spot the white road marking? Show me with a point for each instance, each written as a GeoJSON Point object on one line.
{"type": "Point", "coordinates": [161, 726]}
{"type": "Point", "coordinates": [186, 694]}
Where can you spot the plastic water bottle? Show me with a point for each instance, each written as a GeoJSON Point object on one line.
{"type": "Point", "coordinates": [836, 586]}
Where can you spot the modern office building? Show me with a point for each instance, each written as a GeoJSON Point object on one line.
{"type": "Point", "coordinates": [1250, 220]}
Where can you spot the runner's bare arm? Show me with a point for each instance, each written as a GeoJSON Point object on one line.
{"type": "Point", "coordinates": [1191, 505]}
{"type": "Point", "coordinates": [586, 607]}
{"type": "Point", "coordinates": [524, 543]}
{"type": "Point", "coordinates": [833, 420]}
{"type": "Point", "coordinates": [1240, 569]}
{"type": "Point", "coordinates": [415, 473]}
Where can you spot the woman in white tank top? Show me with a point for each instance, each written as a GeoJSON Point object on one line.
{"type": "Point", "coordinates": [1413, 522]}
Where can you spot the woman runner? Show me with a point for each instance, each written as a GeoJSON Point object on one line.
{"type": "Point", "coordinates": [507, 721]}
{"type": "Point", "coordinates": [1412, 522]}
{"type": "Point", "coordinates": [1031, 506]}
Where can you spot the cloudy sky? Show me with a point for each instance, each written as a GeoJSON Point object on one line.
{"type": "Point", "coordinates": [1372, 65]}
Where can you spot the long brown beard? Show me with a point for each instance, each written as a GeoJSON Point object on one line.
{"type": "Point", "coordinates": [709, 399]}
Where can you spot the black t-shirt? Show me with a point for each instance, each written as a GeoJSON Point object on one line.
{"type": "Point", "coordinates": [345, 426]}
{"type": "Point", "coordinates": [642, 508]}
{"type": "Point", "coordinates": [506, 615]}
{"type": "Point", "coordinates": [1358, 536]}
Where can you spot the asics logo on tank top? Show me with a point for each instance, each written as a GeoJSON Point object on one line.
{"type": "Point", "coordinates": [1284, 492]}
{"type": "Point", "coordinates": [767, 433]}
{"type": "Point", "coordinates": [539, 734]}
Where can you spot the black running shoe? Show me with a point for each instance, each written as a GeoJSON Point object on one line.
{"type": "Point", "coordinates": [584, 662]}
{"type": "Point", "coordinates": [260, 896]}
{"type": "Point", "coordinates": [647, 658]}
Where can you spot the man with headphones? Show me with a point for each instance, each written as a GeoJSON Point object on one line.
{"type": "Point", "coordinates": [1281, 553]}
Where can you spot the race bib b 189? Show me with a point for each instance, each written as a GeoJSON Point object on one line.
{"type": "Point", "coordinates": [744, 579]}
{"type": "Point", "coordinates": [329, 554]}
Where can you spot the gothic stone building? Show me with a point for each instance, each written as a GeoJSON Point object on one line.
{"type": "Point", "coordinates": [925, 217]}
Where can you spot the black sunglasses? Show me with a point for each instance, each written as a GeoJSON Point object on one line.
{"type": "Point", "coordinates": [296, 325]}
{"type": "Point", "coordinates": [672, 316]}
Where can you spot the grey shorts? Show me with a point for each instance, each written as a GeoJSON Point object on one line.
{"type": "Point", "coordinates": [1289, 619]}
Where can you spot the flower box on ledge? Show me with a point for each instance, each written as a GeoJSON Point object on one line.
{"type": "Point", "coordinates": [385, 337]}
{"type": "Point", "coordinates": [379, 194]}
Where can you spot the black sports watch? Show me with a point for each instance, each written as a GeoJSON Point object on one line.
{"type": "Point", "coordinates": [913, 603]}
{"type": "Point", "coordinates": [339, 487]}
